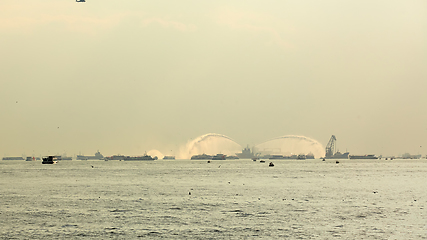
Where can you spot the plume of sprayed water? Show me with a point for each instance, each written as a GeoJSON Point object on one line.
{"type": "Point", "coordinates": [211, 143]}
{"type": "Point", "coordinates": [292, 144]}
{"type": "Point", "coordinates": [155, 153]}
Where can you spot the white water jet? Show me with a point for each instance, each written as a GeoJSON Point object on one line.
{"type": "Point", "coordinates": [291, 144]}
{"type": "Point", "coordinates": [211, 143]}
{"type": "Point", "coordinates": [155, 153]}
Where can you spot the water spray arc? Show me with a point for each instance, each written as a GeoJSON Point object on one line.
{"type": "Point", "coordinates": [294, 144]}
{"type": "Point", "coordinates": [210, 143]}
{"type": "Point", "coordinates": [312, 141]}
{"type": "Point", "coordinates": [207, 136]}
{"type": "Point", "coordinates": [214, 143]}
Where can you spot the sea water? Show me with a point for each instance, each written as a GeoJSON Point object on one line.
{"type": "Point", "coordinates": [229, 199]}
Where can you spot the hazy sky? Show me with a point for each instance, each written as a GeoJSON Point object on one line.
{"type": "Point", "coordinates": [129, 76]}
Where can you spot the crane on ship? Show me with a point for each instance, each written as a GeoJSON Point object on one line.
{"type": "Point", "coordinates": [330, 148]}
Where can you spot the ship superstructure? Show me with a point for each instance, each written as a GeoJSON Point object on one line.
{"type": "Point", "coordinates": [246, 153]}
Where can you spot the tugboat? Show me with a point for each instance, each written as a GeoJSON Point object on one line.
{"type": "Point", "coordinates": [49, 160]}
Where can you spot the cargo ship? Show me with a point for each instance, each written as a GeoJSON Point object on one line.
{"type": "Point", "coordinates": [219, 156]}
{"type": "Point", "coordinates": [13, 158]}
{"type": "Point", "coordinates": [97, 155]}
{"type": "Point", "coordinates": [371, 156]}
{"type": "Point", "coordinates": [201, 157]}
{"type": "Point", "coordinates": [339, 155]}
{"type": "Point", "coordinates": [115, 157]}
{"type": "Point", "coordinates": [140, 158]}
{"type": "Point", "coordinates": [275, 157]}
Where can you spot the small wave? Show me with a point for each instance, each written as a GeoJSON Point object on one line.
{"type": "Point", "coordinates": [120, 210]}
{"type": "Point", "coordinates": [110, 228]}
{"type": "Point", "coordinates": [300, 210]}
{"type": "Point", "coordinates": [152, 233]}
{"type": "Point", "coordinates": [82, 235]}
{"type": "Point", "coordinates": [213, 230]}
{"type": "Point", "coordinates": [69, 225]}
{"type": "Point", "coordinates": [262, 213]}
{"type": "Point", "coordinates": [236, 211]}
{"type": "Point", "coordinates": [244, 215]}
{"type": "Point", "coordinates": [175, 208]}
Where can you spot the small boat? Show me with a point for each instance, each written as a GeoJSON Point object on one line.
{"type": "Point", "coordinates": [49, 160]}
{"type": "Point", "coordinates": [271, 164]}
{"type": "Point", "coordinates": [254, 159]}
{"type": "Point", "coordinates": [262, 161]}
{"type": "Point", "coordinates": [30, 159]}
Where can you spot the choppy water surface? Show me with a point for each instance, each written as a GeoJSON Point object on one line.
{"type": "Point", "coordinates": [232, 199]}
